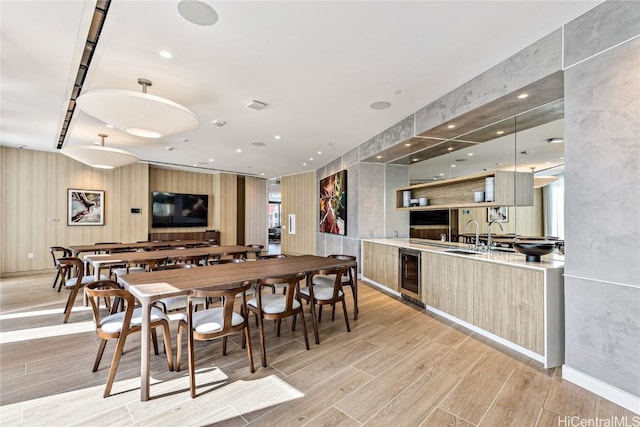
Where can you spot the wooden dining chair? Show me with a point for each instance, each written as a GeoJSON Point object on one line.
{"type": "Point", "coordinates": [255, 246]}
{"type": "Point", "coordinates": [348, 279]}
{"type": "Point", "coordinates": [61, 272]}
{"type": "Point", "coordinates": [213, 323]}
{"type": "Point", "coordinates": [328, 295]}
{"type": "Point", "coordinates": [179, 302]}
{"type": "Point", "coordinates": [75, 283]}
{"type": "Point", "coordinates": [278, 306]}
{"type": "Point", "coordinates": [118, 325]}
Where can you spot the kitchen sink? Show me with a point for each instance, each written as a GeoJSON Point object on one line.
{"type": "Point", "coordinates": [461, 252]}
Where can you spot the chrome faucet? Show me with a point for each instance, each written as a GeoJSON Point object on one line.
{"type": "Point", "coordinates": [477, 241]}
{"type": "Point", "coordinates": [489, 233]}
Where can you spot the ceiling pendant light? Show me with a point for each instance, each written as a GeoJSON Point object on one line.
{"type": "Point", "coordinates": [99, 156]}
{"type": "Point", "coordinates": [138, 113]}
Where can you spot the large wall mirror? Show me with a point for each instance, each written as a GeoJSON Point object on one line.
{"type": "Point", "coordinates": [530, 142]}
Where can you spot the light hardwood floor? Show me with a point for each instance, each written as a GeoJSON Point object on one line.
{"type": "Point", "coordinates": [399, 366]}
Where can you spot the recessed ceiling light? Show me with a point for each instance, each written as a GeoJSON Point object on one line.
{"type": "Point", "coordinates": [239, 150]}
{"type": "Point", "coordinates": [470, 154]}
{"type": "Point", "coordinates": [500, 132]}
{"type": "Point", "coordinates": [380, 105]}
{"type": "Point", "coordinates": [523, 95]}
{"type": "Point", "coordinates": [319, 152]}
{"type": "Point", "coordinates": [547, 163]}
{"type": "Point", "coordinates": [378, 157]}
{"type": "Point", "coordinates": [453, 166]}
{"type": "Point", "coordinates": [414, 160]}
{"type": "Point", "coordinates": [211, 160]}
{"type": "Point", "coordinates": [435, 179]}
{"type": "Point", "coordinates": [311, 158]}
{"type": "Point", "coordinates": [451, 126]}
{"type": "Point", "coordinates": [259, 144]}
{"type": "Point", "coordinates": [197, 12]}
{"type": "Point", "coordinates": [195, 165]}
{"type": "Point", "coordinates": [450, 149]}
{"type": "Point", "coordinates": [304, 164]}
{"type": "Point", "coordinates": [262, 174]}
{"type": "Point", "coordinates": [441, 174]}
{"type": "Point", "coordinates": [166, 54]}
{"type": "Point", "coordinates": [109, 126]}
{"type": "Point", "coordinates": [407, 145]}
{"type": "Point", "coordinates": [276, 137]}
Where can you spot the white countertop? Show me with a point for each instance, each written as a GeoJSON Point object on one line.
{"type": "Point", "coordinates": [547, 262]}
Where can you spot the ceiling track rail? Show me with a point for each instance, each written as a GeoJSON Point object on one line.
{"type": "Point", "coordinates": [97, 22]}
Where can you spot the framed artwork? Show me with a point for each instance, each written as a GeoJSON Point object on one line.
{"type": "Point", "coordinates": [499, 214]}
{"type": "Point", "coordinates": [333, 203]}
{"type": "Point", "coordinates": [85, 207]}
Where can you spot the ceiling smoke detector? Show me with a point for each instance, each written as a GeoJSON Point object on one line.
{"type": "Point", "coordinates": [256, 105]}
{"type": "Point", "coordinates": [219, 123]}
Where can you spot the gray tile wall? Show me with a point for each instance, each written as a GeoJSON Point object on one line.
{"type": "Point", "coordinates": [602, 196]}
{"type": "Point", "coordinates": [606, 25]}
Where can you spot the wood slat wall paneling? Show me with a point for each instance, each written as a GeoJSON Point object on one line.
{"type": "Point", "coordinates": [33, 205]}
{"type": "Point", "coordinates": [256, 211]}
{"type": "Point", "coordinates": [299, 197]}
{"type": "Point", "coordinates": [225, 207]}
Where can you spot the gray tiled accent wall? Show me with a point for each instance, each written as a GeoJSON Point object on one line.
{"type": "Point", "coordinates": [602, 336]}
{"type": "Point", "coordinates": [531, 64]}
{"type": "Point", "coordinates": [606, 25]}
{"type": "Point", "coordinates": [602, 197]}
{"type": "Point", "coordinates": [396, 176]}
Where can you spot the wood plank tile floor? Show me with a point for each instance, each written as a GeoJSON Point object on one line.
{"type": "Point", "coordinates": [399, 366]}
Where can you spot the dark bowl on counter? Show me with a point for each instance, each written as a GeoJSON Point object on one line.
{"type": "Point", "coordinates": [533, 250]}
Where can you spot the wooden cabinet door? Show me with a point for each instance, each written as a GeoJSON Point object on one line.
{"type": "Point", "coordinates": [447, 284]}
{"type": "Point", "coordinates": [509, 302]}
{"type": "Point", "coordinates": [380, 264]}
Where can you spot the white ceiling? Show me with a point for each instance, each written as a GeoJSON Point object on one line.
{"type": "Point", "coordinates": [318, 65]}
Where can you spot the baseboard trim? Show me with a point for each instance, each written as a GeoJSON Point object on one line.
{"type": "Point", "coordinates": [602, 389]}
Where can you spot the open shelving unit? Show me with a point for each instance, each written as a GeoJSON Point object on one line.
{"type": "Point", "coordinates": [510, 189]}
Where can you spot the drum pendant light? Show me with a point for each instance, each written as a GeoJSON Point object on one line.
{"type": "Point", "coordinates": [99, 156]}
{"type": "Point", "coordinates": [138, 113]}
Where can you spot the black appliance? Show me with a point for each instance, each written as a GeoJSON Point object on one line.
{"type": "Point", "coordinates": [409, 267]}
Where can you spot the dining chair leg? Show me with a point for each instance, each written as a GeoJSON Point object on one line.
{"type": "Point", "coordinates": [304, 329]}
{"type": "Point", "coordinates": [262, 341]}
{"type": "Point", "coordinates": [166, 335]}
{"type": "Point", "coordinates": [224, 346]}
{"type": "Point", "coordinates": [154, 340]}
{"type": "Point", "coordinates": [179, 348]}
{"type": "Point", "coordinates": [96, 364]}
{"type": "Point", "coordinates": [346, 316]}
{"type": "Point", "coordinates": [319, 312]}
{"type": "Point", "coordinates": [192, 367]}
{"type": "Point", "coordinates": [55, 281]}
{"type": "Point", "coordinates": [70, 301]}
{"type": "Point", "coordinates": [333, 311]}
{"type": "Point", "coordinates": [249, 351]}
{"type": "Point", "coordinates": [114, 364]}
{"type": "Point", "coordinates": [279, 321]}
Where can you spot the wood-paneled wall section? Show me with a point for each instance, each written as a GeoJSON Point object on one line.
{"type": "Point", "coordinates": [256, 211]}
{"type": "Point", "coordinates": [175, 181]}
{"type": "Point", "coordinates": [33, 205]}
{"type": "Point", "coordinates": [523, 220]}
{"type": "Point", "coordinates": [300, 197]}
{"type": "Point", "coordinates": [225, 210]}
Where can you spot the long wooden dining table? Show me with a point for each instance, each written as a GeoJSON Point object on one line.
{"type": "Point", "coordinates": [99, 261]}
{"type": "Point", "coordinates": [150, 287]}
{"type": "Point", "coordinates": [98, 247]}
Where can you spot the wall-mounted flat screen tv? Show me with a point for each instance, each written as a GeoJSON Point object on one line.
{"type": "Point", "coordinates": [179, 210]}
